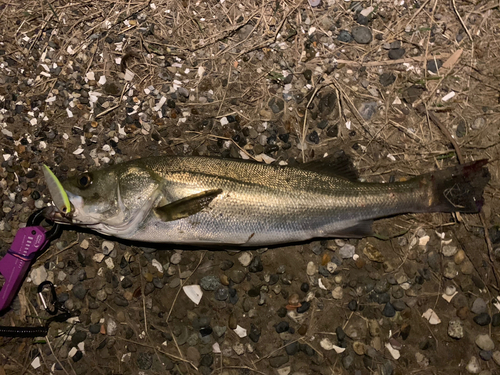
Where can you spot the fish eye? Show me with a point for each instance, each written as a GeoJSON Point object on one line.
{"type": "Point", "coordinates": [84, 181]}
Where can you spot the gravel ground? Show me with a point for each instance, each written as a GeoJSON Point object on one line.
{"type": "Point", "coordinates": [403, 87]}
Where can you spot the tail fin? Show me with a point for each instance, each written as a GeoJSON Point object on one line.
{"type": "Point", "coordinates": [459, 188]}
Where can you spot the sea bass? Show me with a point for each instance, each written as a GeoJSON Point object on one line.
{"type": "Point", "coordinates": [211, 201]}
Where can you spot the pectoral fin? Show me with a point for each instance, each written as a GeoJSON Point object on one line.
{"type": "Point", "coordinates": [186, 206]}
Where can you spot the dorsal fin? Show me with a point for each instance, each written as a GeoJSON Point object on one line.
{"type": "Point", "coordinates": [338, 164]}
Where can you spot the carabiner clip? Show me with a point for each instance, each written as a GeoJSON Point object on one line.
{"type": "Point", "coordinates": [53, 297]}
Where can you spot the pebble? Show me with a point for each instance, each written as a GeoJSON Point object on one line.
{"type": "Point", "coordinates": [450, 270]}
{"type": "Point", "coordinates": [459, 257]}
{"type": "Point", "coordinates": [111, 327]}
{"type": "Point", "coordinates": [479, 306]}
{"type": "Point", "coordinates": [245, 258]}
{"type": "Point", "coordinates": [254, 334]}
{"type": "Point", "coordinates": [107, 247]}
{"type": "Point", "coordinates": [256, 265]}
{"type": "Point", "coordinates": [344, 36]}
{"type": "Point", "coordinates": [473, 366]}
{"type": "Point", "coordinates": [449, 250]}
{"type": "Point", "coordinates": [496, 357]}
{"type": "Point", "coordinates": [485, 342]}
{"type": "Point", "coordinates": [361, 34]}
{"type": "Point", "coordinates": [38, 275]}
{"type": "Point", "coordinates": [387, 79]}
{"type": "Point", "coordinates": [478, 123]}
{"type": "Point", "coordinates": [388, 310]}
{"type": "Point", "coordinates": [282, 327]}
{"type": "Point", "coordinates": [210, 283]}
{"type": "Point", "coordinates": [485, 355]}
{"type": "Point", "coordinates": [456, 329]}
{"type": "Point", "coordinates": [434, 65]}
{"type": "Point", "coordinates": [347, 251]}
{"type": "Point", "coordinates": [312, 269]}
{"type": "Point", "coordinates": [395, 54]}
{"type": "Point", "coordinates": [292, 348]}
{"type": "Point", "coordinates": [337, 293]}
{"type": "Point", "coordinates": [482, 319]}
{"type": "Point", "coordinates": [495, 320]}
{"type": "Point", "coordinates": [304, 307]}
{"type": "Point", "coordinates": [176, 258]}
{"type": "Point", "coordinates": [221, 294]}
{"type": "Point", "coordinates": [237, 276]}
{"type": "Point", "coordinates": [278, 361]}
{"type": "Point", "coordinates": [79, 291]}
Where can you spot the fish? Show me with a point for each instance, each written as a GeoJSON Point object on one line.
{"type": "Point", "coordinates": [207, 201]}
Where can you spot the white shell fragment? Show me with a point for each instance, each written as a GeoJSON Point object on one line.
{"type": "Point", "coordinates": [394, 352]}
{"type": "Point", "coordinates": [193, 292]}
{"type": "Point", "coordinates": [431, 317]}
{"type": "Point", "coordinates": [448, 96]}
{"type": "Point", "coordinates": [240, 331]}
{"type": "Point", "coordinates": [326, 344]}
{"type": "Point", "coordinates": [36, 363]}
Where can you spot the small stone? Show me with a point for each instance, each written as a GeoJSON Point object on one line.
{"type": "Point", "coordinates": [304, 307]}
{"type": "Point", "coordinates": [347, 251]}
{"type": "Point", "coordinates": [450, 270]}
{"type": "Point", "coordinates": [495, 320]}
{"type": "Point", "coordinates": [344, 36]}
{"type": "Point", "coordinates": [337, 293]}
{"type": "Point", "coordinates": [478, 123]}
{"type": "Point", "coordinates": [210, 283]}
{"type": "Point", "coordinates": [239, 348]}
{"type": "Point", "coordinates": [496, 357]}
{"type": "Point", "coordinates": [221, 294]}
{"type": "Point", "coordinates": [449, 251]}
{"type": "Point", "coordinates": [459, 257]}
{"type": "Point", "coordinates": [292, 348]}
{"type": "Point", "coordinates": [254, 333]}
{"type": "Point", "coordinates": [111, 327]}
{"type": "Point", "coordinates": [38, 275]}
{"type": "Point", "coordinates": [276, 105]}
{"type": "Point", "coordinates": [245, 259]}
{"type": "Point", "coordinates": [282, 327]}
{"type": "Point", "coordinates": [461, 129]}
{"type": "Point", "coordinates": [314, 137]}
{"type": "Point", "coordinates": [359, 347]}
{"type": "Point", "coordinates": [395, 54]}
{"type": "Point", "coordinates": [388, 310]}
{"type": "Point", "coordinates": [307, 74]}
{"type": "Point", "coordinates": [256, 265]}
{"type": "Point", "coordinates": [361, 34]}
{"type": "Point", "coordinates": [367, 110]}
{"type": "Point", "coordinates": [479, 306]}
{"type": "Point", "coordinates": [473, 366]}
{"type": "Point", "coordinates": [387, 79]}
{"type": "Point", "coordinates": [237, 276]}
{"type": "Point", "coordinates": [482, 319]}
{"type": "Point", "coordinates": [107, 247]}
{"type": "Point", "coordinates": [373, 253]}
{"type": "Point", "coordinates": [485, 342]}
{"type": "Point", "coordinates": [312, 269]}
{"type": "Point", "coordinates": [278, 361]}
{"type": "Point", "coordinates": [79, 291]}
{"type": "Point", "coordinates": [485, 355]}
{"type": "Point", "coordinates": [456, 329]}
{"type": "Point", "coordinates": [434, 65]}
{"type": "Point", "coordinates": [175, 258]}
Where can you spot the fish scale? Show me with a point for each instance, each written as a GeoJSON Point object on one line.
{"type": "Point", "coordinates": [256, 204]}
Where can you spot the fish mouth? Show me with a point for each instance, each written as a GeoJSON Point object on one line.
{"type": "Point", "coordinates": [52, 213]}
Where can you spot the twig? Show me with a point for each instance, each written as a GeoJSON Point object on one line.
{"type": "Point", "coordinates": [461, 20]}
{"type": "Point", "coordinates": [391, 62]}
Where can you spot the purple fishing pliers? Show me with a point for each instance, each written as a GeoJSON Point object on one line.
{"type": "Point", "coordinates": [28, 243]}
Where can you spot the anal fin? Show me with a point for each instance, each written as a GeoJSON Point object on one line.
{"type": "Point", "coordinates": [186, 206]}
{"type": "Point", "coordinates": [359, 230]}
